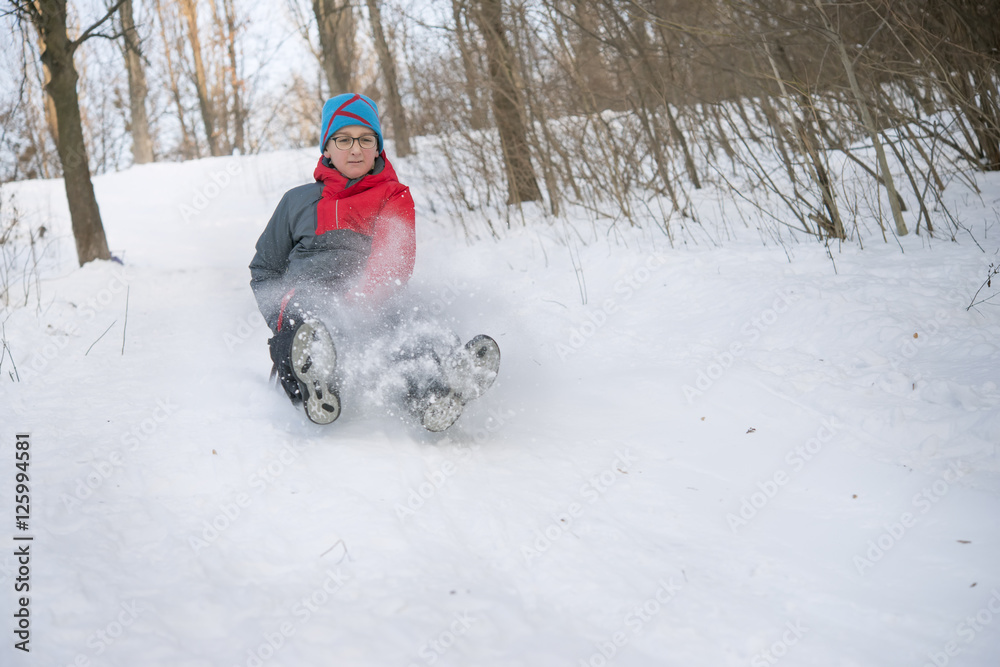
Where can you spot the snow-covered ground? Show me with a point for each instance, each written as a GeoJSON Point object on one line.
{"type": "Point", "coordinates": [737, 455]}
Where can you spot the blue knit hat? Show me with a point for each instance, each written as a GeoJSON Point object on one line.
{"type": "Point", "coordinates": [349, 109]}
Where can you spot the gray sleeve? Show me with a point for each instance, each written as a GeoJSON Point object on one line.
{"type": "Point", "coordinates": [269, 264]}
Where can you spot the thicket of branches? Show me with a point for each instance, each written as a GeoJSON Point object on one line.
{"type": "Point", "coordinates": [829, 116]}
{"type": "Point", "coordinates": [632, 106]}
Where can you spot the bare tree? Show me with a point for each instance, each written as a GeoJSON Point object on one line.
{"type": "Point", "coordinates": [189, 10]}
{"type": "Point", "coordinates": [337, 27]}
{"type": "Point", "coordinates": [508, 106]}
{"type": "Point", "coordinates": [954, 46]}
{"type": "Point", "coordinates": [473, 81]}
{"type": "Point", "coordinates": [189, 144]}
{"type": "Point", "coordinates": [236, 84]}
{"type": "Point", "coordinates": [388, 64]}
{"type": "Point", "coordinates": [50, 106]}
{"type": "Point", "coordinates": [36, 158]}
{"type": "Point", "coordinates": [49, 17]}
{"type": "Point", "coordinates": [838, 41]}
{"type": "Point", "coordinates": [142, 143]}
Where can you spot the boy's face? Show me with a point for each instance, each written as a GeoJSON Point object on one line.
{"type": "Point", "coordinates": [353, 162]}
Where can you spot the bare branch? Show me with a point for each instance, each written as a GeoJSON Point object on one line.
{"type": "Point", "coordinates": [88, 33]}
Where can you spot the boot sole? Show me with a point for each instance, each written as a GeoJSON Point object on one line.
{"type": "Point", "coordinates": [473, 369]}
{"type": "Point", "coordinates": [441, 412]}
{"type": "Point", "coordinates": [314, 359]}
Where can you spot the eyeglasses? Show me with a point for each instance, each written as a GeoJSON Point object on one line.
{"type": "Point", "coordinates": [345, 143]}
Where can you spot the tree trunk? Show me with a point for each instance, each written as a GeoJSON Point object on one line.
{"type": "Point", "coordinates": [218, 90]}
{"type": "Point", "coordinates": [190, 11]}
{"type": "Point", "coordinates": [35, 159]}
{"type": "Point", "coordinates": [985, 118]}
{"type": "Point", "coordinates": [396, 113]}
{"type": "Point", "coordinates": [142, 145]}
{"type": "Point", "coordinates": [335, 19]}
{"type": "Point", "coordinates": [834, 226]}
{"type": "Point", "coordinates": [675, 129]}
{"type": "Point", "coordinates": [50, 106]}
{"type": "Point", "coordinates": [866, 118]}
{"type": "Point", "coordinates": [477, 116]}
{"type": "Point", "coordinates": [507, 105]}
{"type": "Point", "coordinates": [57, 54]}
{"type": "Point", "coordinates": [189, 145]}
{"type": "Point", "coordinates": [973, 74]}
{"type": "Point", "coordinates": [239, 112]}
{"type": "Point", "coordinates": [596, 84]}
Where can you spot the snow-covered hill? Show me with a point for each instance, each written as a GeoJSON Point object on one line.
{"type": "Point", "coordinates": [736, 455]}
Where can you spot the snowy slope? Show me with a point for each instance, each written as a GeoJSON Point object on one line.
{"type": "Point", "coordinates": [737, 455]}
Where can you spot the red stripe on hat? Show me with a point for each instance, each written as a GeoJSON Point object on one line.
{"type": "Point", "coordinates": [352, 115]}
{"type": "Point", "coordinates": [340, 112]}
{"type": "Point", "coordinates": [370, 106]}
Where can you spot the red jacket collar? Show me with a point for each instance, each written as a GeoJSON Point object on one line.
{"type": "Point", "coordinates": [335, 183]}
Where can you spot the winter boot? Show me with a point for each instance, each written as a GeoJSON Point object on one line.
{"type": "Point", "coordinates": [437, 407]}
{"type": "Point", "coordinates": [313, 361]}
{"type": "Point", "coordinates": [473, 368]}
{"type": "Point", "coordinates": [305, 361]}
{"type": "Point", "coordinates": [460, 377]}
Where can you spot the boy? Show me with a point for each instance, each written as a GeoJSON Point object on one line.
{"type": "Point", "coordinates": [340, 250]}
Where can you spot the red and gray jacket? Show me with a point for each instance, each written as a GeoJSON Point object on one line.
{"type": "Point", "coordinates": [336, 239]}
